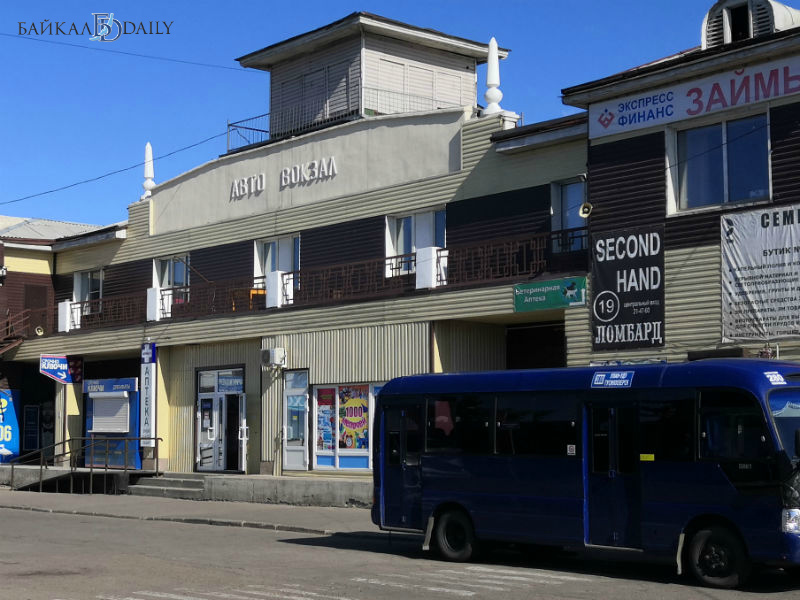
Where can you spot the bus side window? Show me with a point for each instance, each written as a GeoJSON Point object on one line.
{"type": "Point", "coordinates": [666, 421]}
{"type": "Point", "coordinates": [461, 423]}
{"type": "Point", "coordinates": [413, 430]}
{"type": "Point", "coordinates": [393, 423]}
{"type": "Point", "coordinates": [731, 426]}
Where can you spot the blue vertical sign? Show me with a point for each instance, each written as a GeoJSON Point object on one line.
{"type": "Point", "coordinates": [147, 396]}
{"type": "Point", "coordinates": [9, 426]}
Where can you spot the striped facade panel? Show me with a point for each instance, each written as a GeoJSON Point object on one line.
{"type": "Point", "coordinates": [354, 241]}
{"type": "Point", "coordinates": [336, 69]}
{"type": "Point", "coordinates": [507, 214]}
{"type": "Point", "coordinates": [230, 261]}
{"type": "Point", "coordinates": [62, 287]}
{"type": "Point", "coordinates": [692, 312]}
{"type": "Point", "coordinates": [179, 367]}
{"type": "Point", "coordinates": [2, 253]}
{"type": "Point", "coordinates": [418, 71]}
{"type": "Point", "coordinates": [127, 278]}
{"type": "Point", "coordinates": [627, 183]}
{"type": "Point", "coordinates": [95, 256]}
{"type": "Point", "coordinates": [467, 346]}
{"type": "Point", "coordinates": [359, 354]}
{"type": "Point", "coordinates": [475, 139]}
{"type": "Point", "coordinates": [785, 140]}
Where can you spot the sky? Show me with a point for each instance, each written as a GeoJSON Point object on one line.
{"type": "Point", "coordinates": [71, 111]}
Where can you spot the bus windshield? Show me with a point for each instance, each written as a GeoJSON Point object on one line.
{"type": "Point", "coordinates": [785, 408]}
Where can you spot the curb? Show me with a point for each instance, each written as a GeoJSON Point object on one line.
{"type": "Point", "coordinates": [186, 520]}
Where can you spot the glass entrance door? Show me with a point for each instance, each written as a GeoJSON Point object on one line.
{"type": "Point", "coordinates": [211, 423]}
{"type": "Point", "coordinates": [295, 420]}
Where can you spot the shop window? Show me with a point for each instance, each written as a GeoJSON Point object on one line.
{"type": "Point", "coordinates": [723, 163]}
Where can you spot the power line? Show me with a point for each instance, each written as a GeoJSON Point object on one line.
{"type": "Point", "coordinates": [135, 54]}
{"type": "Point", "coordinates": [109, 174]}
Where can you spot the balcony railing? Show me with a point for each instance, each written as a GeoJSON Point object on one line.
{"type": "Point", "coordinates": [112, 311]}
{"type": "Point", "coordinates": [512, 258]}
{"type": "Point", "coordinates": [321, 111]}
{"type": "Point", "coordinates": [208, 298]}
{"type": "Point", "coordinates": [351, 281]}
{"type": "Point", "coordinates": [494, 261]}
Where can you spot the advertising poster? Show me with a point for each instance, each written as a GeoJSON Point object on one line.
{"type": "Point", "coordinates": [9, 426]}
{"type": "Point", "coordinates": [628, 289]}
{"type": "Point", "coordinates": [326, 401]}
{"type": "Point", "coordinates": [761, 274]}
{"type": "Point", "coordinates": [354, 417]}
{"type": "Point", "coordinates": [545, 295]}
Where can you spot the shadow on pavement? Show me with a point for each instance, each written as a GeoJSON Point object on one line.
{"type": "Point", "coordinates": [597, 563]}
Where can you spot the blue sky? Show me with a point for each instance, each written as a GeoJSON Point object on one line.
{"type": "Point", "coordinates": [69, 114]}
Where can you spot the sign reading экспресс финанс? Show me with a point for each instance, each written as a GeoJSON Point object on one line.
{"type": "Point", "coordinates": [761, 274]}
{"type": "Point", "coordinates": [103, 27]}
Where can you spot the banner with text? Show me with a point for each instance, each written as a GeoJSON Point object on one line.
{"type": "Point", "coordinates": [761, 274]}
{"type": "Point", "coordinates": [628, 289]}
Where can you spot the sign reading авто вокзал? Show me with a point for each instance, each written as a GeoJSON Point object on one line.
{"type": "Point", "coordinates": [761, 274]}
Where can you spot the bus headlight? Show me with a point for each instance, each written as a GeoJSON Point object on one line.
{"type": "Point", "coordinates": [790, 521]}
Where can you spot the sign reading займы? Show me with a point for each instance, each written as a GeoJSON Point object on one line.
{"type": "Point", "coordinates": [556, 293]}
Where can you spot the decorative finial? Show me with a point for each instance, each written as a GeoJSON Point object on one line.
{"type": "Point", "coordinates": [148, 184]}
{"type": "Point", "coordinates": [493, 94]}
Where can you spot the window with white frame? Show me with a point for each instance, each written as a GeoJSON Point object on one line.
{"type": "Point", "coordinates": [173, 273]}
{"type": "Point", "coordinates": [88, 289]}
{"type": "Point", "coordinates": [566, 200]}
{"type": "Point", "coordinates": [722, 163]}
{"type": "Point", "coordinates": [282, 254]}
{"type": "Point", "coordinates": [404, 234]}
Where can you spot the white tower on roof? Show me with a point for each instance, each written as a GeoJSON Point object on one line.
{"type": "Point", "coordinates": [148, 184]}
{"type": "Point", "coordinates": [493, 95]}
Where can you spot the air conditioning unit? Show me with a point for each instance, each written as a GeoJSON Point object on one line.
{"type": "Point", "coordinates": [273, 357]}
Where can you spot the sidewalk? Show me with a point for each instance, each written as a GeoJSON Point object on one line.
{"type": "Point", "coordinates": [279, 517]}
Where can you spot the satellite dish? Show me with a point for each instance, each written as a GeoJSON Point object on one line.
{"type": "Point", "coordinates": [39, 330]}
{"type": "Point", "coordinates": [585, 210]}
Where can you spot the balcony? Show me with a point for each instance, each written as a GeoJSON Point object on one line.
{"type": "Point", "coordinates": [320, 112]}
{"type": "Point", "coordinates": [491, 262]}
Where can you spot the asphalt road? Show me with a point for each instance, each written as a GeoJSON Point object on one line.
{"type": "Point", "coordinates": [70, 557]}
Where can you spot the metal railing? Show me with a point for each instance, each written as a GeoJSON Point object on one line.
{"type": "Point", "coordinates": [321, 111]}
{"type": "Point", "coordinates": [86, 449]}
{"type": "Point", "coordinates": [351, 281]}
{"type": "Point", "coordinates": [28, 323]}
{"type": "Point", "coordinates": [207, 298]}
{"type": "Point", "coordinates": [512, 258]}
{"type": "Point", "coordinates": [109, 311]}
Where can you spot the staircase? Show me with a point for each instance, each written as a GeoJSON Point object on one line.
{"type": "Point", "coordinates": [187, 486]}
{"type": "Point", "coordinates": [14, 330]}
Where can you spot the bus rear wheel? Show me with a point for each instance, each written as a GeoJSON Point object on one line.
{"type": "Point", "coordinates": [717, 558]}
{"type": "Point", "coordinates": [455, 537]}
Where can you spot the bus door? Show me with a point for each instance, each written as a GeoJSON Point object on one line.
{"type": "Point", "coordinates": [614, 494]}
{"type": "Point", "coordinates": [402, 481]}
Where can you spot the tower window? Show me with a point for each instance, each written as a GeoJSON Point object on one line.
{"type": "Point", "coordinates": [740, 23]}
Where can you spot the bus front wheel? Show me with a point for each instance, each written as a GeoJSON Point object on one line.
{"type": "Point", "coordinates": [717, 558]}
{"type": "Point", "coordinates": [455, 537]}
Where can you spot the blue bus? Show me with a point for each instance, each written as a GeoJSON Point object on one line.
{"type": "Point", "coordinates": [698, 462]}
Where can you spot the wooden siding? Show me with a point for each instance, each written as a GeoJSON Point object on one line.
{"type": "Point", "coordinates": [12, 299]}
{"type": "Point", "coordinates": [467, 346]}
{"type": "Point", "coordinates": [218, 263]}
{"type": "Point", "coordinates": [345, 242]}
{"type": "Point", "coordinates": [499, 215]}
{"type": "Point", "coordinates": [127, 278]}
{"type": "Point", "coordinates": [785, 139]}
{"type": "Point", "coordinates": [627, 183]}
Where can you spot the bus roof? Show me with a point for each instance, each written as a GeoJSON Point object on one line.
{"type": "Point", "coordinates": [756, 375]}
